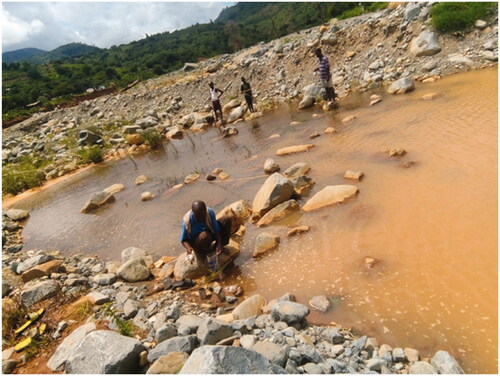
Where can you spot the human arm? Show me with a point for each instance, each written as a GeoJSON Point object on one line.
{"type": "Point", "coordinates": [220, 92]}
{"type": "Point", "coordinates": [184, 238]}
{"type": "Point", "coordinates": [216, 229]}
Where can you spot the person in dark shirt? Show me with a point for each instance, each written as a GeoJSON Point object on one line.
{"type": "Point", "coordinates": [247, 92]}
{"type": "Point", "coordinates": [324, 73]}
{"type": "Point", "coordinates": [200, 228]}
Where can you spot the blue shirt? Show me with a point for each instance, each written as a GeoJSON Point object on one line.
{"type": "Point", "coordinates": [197, 227]}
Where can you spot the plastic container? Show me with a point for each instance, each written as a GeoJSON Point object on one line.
{"type": "Point", "coordinates": [213, 261]}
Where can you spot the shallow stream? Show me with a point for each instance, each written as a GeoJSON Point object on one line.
{"type": "Point", "coordinates": [433, 226]}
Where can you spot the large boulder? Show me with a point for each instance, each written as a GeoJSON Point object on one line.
{"type": "Point", "coordinates": [250, 307]}
{"type": "Point", "coordinates": [312, 93]}
{"type": "Point", "coordinates": [275, 190]}
{"type": "Point", "coordinates": [265, 242]}
{"type": "Point", "coordinates": [330, 195]}
{"type": "Point", "coordinates": [63, 351]}
{"type": "Point", "coordinates": [289, 312]}
{"type": "Point", "coordinates": [41, 291]}
{"type": "Point", "coordinates": [105, 351]}
{"type": "Point", "coordinates": [230, 105]}
{"type": "Point", "coordinates": [32, 262]}
{"type": "Point", "coordinates": [401, 86]}
{"type": "Point", "coordinates": [426, 44]}
{"type": "Point", "coordinates": [17, 214]}
{"type": "Point", "coordinates": [180, 344]}
{"type": "Point", "coordinates": [97, 200]}
{"type": "Point", "coordinates": [211, 331]}
{"type": "Point", "coordinates": [443, 362]}
{"type": "Point", "coordinates": [188, 324]}
{"type": "Point", "coordinates": [296, 170]}
{"type": "Point", "coordinates": [131, 253]}
{"type": "Point", "coordinates": [227, 360]}
{"type": "Point", "coordinates": [278, 212]}
{"type": "Point", "coordinates": [238, 211]}
{"type": "Point", "coordinates": [236, 114]}
{"type": "Point", "coordinates": [134, 270]}
{"type": "Point", "coordinates": [272, 351]}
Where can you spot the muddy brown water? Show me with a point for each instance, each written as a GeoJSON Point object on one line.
{"type": "Point", "coordinates": [433, 226]}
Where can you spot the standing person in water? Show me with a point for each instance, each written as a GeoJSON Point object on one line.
{"type": "Point", "coordinates": [200, 228]}
{"type": "Point", "coordinates": [325, 75]}
{"type": "Point", "coordinates": [215, 100]}
{"type": "Point", "coordinates": [247, 92]}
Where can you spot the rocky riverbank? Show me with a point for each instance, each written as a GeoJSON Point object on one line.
{"type": "Point", "coordinates": [389, 48]}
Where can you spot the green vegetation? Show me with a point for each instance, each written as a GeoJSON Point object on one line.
{"type": "Point", "coordinates": [23, 175]}
{"type": "Point", "coordinates": [451, 17]}
{"type": "Point", "coordinates": [91, 154]}
{"type": "Point", "coordinates": [53, 82]}
{"type": "Point", "coordinates": [125, 327]}
{"type": "Point", "coordinates": [152, 137]}
{"type": "Point", "coordinates": [361, 9]}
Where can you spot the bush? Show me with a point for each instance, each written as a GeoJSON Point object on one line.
{"type": "Point", "coordinates": [18, 177]}
{"type": "Point", "coordinates": [92, 154]}
{"type": "Point", "coordinates": [152, 137]}
{"type": "Point", "coordinates": [450, 17]}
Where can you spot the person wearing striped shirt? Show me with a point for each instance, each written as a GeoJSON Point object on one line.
{"type": "Point", "coordinates": [325, 75]}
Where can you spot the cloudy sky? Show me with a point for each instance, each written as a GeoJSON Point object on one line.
{"type": "Point", "coordinates": [47, 25]}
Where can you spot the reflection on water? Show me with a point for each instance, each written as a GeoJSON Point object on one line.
{"type": "Point", "coordinates": [433, 227]}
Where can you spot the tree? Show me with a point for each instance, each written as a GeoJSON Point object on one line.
{"type": "Point", "coordinates": [235, 40]}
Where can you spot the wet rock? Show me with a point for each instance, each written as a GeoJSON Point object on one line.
{"type": "Point", "coordinates": [302, 185]}
{"type": "Point", "coordinates": [298, 230]}
{"type": "Point", "coordinates": [17, 214]}
{"type": "Point", "coordinates": [430, 96]}
{"type": "Point", "coordinates": [226, 359]}
{"type": "Point", "coordinates": [212, 331]}
{"type": "Point", "coordinates": [191, 178]}
{"type": "Point", "coordinates": [134, 270]}
{"type": "Point", "coordinates": [353, 175]}
{"type": "Point", "coordinates": [97, 200]}
{"type": "Point", "coordinates": [370, 262]}
{"type": "Point", "coordinates": [271, 166]}
{"type": "Point", "coordinates": [188, 324]}
{"type": "Point", "coordinates": [229, 131]}
{"type": "Point", "coordinates": [147, 196]}
{"type": "Point", "coordinates": [250, 307]}
{"type": "Point", "coordinates": [211, 177]}
{"type": "Point", "coordinates": [330, 195]}
{"type": "Point", "coordinates": [426, 44]}
{"type": "Point", "coordinates": [330, 130]}
{"type": "Point", "coordinates": [294, 149]}
{"type": "Point", "coordinates": [421, 368]}
{"type": "Point", "coordinates": [223, 175]}
{"type": "Point", "coordinates": [443, 362]}
{"type": "Point", "coordinates": [63, 351]}
{"type": "Point", "coordinates": [115, 188]}
{"type": "Point", "coordinates": [38, 292]}
{"type": "Point", "coordinates": [105, 351]}
{"type": "Point", "coordinates": [275, 190]}
{"type": "Point", "coordinates": [42, 270]}
{"type": "Point", "coordinates": [296, 170]}
{"type": "Point", "coordinates": [275, 353]}
{"type": "Point", "coordinates": [401, 86]}
{"type": "Point", "coordinates": [289, 312]}
{"type": "Point", "coordinates": [141, 179]}
{"type": "Point", "coordinates": [279, 212]}
{"type": "Point", "coordinates": [105, 279]}
{"type": "Point", "coordinates": [168, 364]}
{"type": "Point", "coordinates": [320, 303]}
{"type": "Point", "coordinates": [265, 242]}
{"type": "Point", "coordinates": [178, 344]}
{"type": "Point", "coordinates": [398, 152]}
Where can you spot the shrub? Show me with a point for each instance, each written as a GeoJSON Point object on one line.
{"type": "Point", "coordinates": [152, 137]}
{"type": "Point", "coordinates": [450, 17]}
{"type": "Point", "coordinates": [92, 154]}
{"type": "Point", "coordinates": [18, 177]}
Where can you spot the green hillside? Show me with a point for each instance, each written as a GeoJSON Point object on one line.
{"type": "Point", "coordinates": [20, 55]}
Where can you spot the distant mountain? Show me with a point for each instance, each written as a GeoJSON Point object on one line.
{"type": "Point", "coordinates": [20, 55]}
{"type": "Point", "coordinates": [37, 56]}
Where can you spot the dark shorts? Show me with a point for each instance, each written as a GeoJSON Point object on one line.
{"type": "Point", "coordinates": [216, 105]}
{"type": "Point", "coordinates": [202, 242]}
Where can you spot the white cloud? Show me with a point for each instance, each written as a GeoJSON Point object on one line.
{"type": "Point", "coordinates": [15, 30]}
{"type": "Point", "coordinates": [48, 25]}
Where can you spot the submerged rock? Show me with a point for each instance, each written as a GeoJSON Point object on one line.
{"type": "Point", "coordinates": [294, 149]}
{"type": "Point", "coordinates": [97, 200]}
{"type": "Point", "coordinates": [265, 242]}
{"type": "Point", "coordinates": [278, 212]}
{"type": "Point", "coordinates": [330, 195]}
{"type": "Point", "coordinates": [320, 303]}
{"type": "Point", "coordinates": [17, 214]}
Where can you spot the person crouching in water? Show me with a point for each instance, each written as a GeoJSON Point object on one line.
{"type": "Point", "coordinates": [325, 75]}
{"type": "Point", "coordinates": [247, 92]}
{"type": "Point", "coordinates": [215, 100]}
{"type": "Point", "coordinates": [200, 228]}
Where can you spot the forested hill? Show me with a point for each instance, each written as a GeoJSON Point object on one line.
{"type": "Point", "coordinates": [62, 75]}
{"type": "Point", "coordinates": [20, 55]}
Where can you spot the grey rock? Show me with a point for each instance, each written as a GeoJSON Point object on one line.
{"type": "Point", "coordinates": [181, 344]}
{"type": "Point", "coordinates": [130, 308]}
{"type": "Point", "coordinates": [227, 360]}
{"type": "Point", "coordinates": [376, 364]}
{"type": "Point", "coordinates": [188, 324]}
{"type": "Point", "coordinates": [105, 351]}
{"type": "Point", "coordinates": [173, 312]}
{"type": "Point", "coordinates": [271, 166]}
{"type": "Point", "coordinates": [63, 351]}
{"type": "Point", "coordinates": [313, 369]}
{"type": "Point", "coordinates": [443, 362]}
{"type": "Point", "coordinates": [105, 279]}
{"type": "Point", "coordinates": [480, 24]}
{"type": "Point", "coordinates": [275, 353]}
{"type": "Point", "coordinates": [131, 253]}
{"type": "Point", "coordinates": [302, 185]}
{"type": "Point", "coordinates": [5, 288]}
{"type": "Point", "coordinates": [398, 355]}
{"type": "Point", "coordinates": [86, 137]}
{"type": "Point", "coordinates": [275, 190]}
{"type": "Point", "coordinates": [411, 12]}
{"type": "Point", "coordinates": [296, 170]}
{"type": "Point", "coordinates": [189, 67]}
{"type": "Point", "coordinates": [40, 291]}
{"type": "Point", "coordinates": [457, 58]}
{"type": "Point", "coordinates": [130, 129]}
{"type": "Point", "coordinates": [147, 122]}
{"type": "Point", "coordinates": [291, 367]}
{"type": "Point", "coordinates": [334, 336]}
{"type": "Point", "coordinates": [165, 332]}
{"type": "Point", "coordinates": [312, 93]}
{"type": "Point", "coordinates": [247, 341]}
{"type": "Point", "coordinates": [421, 368]}
{"type": "Point", "coordinates": [17, 214]}
{"type": "Point", "coordinates": [236, 114]}
{"type": "Point", "coordinates": [295, 355]}
{"type": "Point", "coordinates": [490, 55]}
{"type": "Point", "coordinates": [289, 312]}
{"type": "Point", "coordinates": [426, 44]}
{"type": "Point", "coordinates": [97, 298]}
{"type": "Point", "coordinates": [212, 331]}
{"type": "Point", "coordinates": [490, 45]}
{"type": "Point", "coordinates": [134, 270]}
{"type": "Point", "coordinates": [15, 248]}
{"type": "Point", "coordinates": [411, 355]}
{"type": "Point", "coordinates": [401, 86]}
{"type": "Point", "coordinates": [265, 242]}
{"type": "Point", "coordinates": [320, 303]}
{"type": "Point", "coordinates": [311, 354]}
{"type": "Point", "coordinates": [337, 365]}
{"type": "Point", "coordinates": [97, 200]}
{"type": "Point", "coordinates": [33, 261]}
